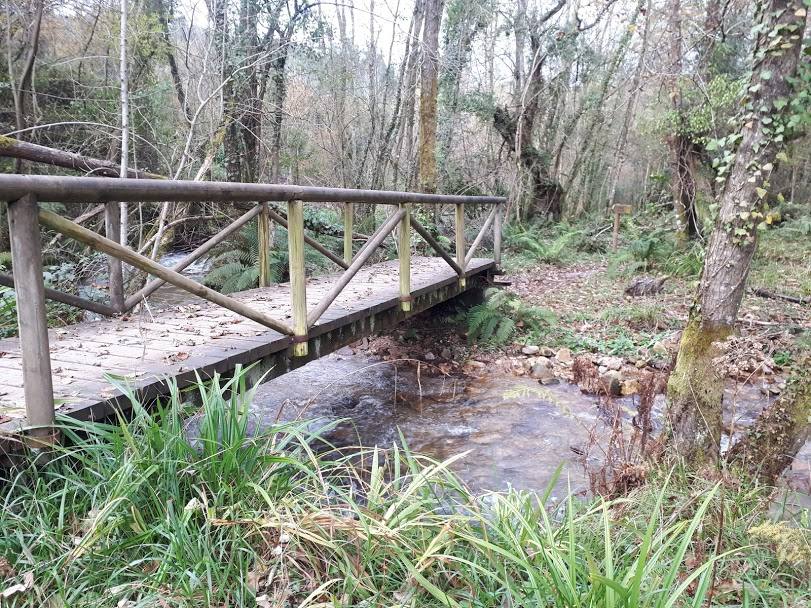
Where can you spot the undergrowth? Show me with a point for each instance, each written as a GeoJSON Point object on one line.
{"type": "Point", "coordinates": [235, 264]}
{"type": "Point", "coordinates": [501, 315]}
{"type": "Point", "coordinates": [162, 511]}
{"type": "Point", "coordinates": [533, 244]}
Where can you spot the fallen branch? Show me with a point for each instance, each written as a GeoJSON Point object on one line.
{"type": "Point", "coordinates": [14, 148]}
{"type": "Point", "coordinates": [765, 293]}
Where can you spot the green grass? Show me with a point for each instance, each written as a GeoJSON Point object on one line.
{"type": "Point", "coordinates": [141, 514]}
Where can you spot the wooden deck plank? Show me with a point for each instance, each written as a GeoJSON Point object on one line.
{"type": "Point", "coordinates": [176, 342]}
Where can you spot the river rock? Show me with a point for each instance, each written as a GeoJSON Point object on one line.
{"type": "Point", "coordinates": [545, 376]}
{"type": "Point", "coordinates": [564, 355]}
{"type": "Point", "coordinates": [612, 383]}
{"type": "Point", "coordinates": [530, 349]}
{"type": "Point", "coordinates": [629, 387]}
{"type": "Point", "coordinates": [539, 371]}
{"type": "Point", "coordinates": [612, 363]}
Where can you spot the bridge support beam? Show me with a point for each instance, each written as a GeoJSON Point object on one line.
{"type": "Point", "coordinates": [460, 241]}
{"type": "Point", "coordinates": [26, 256]}
{"type": "Point", "coordinates": [497, 237]}
{"type": "Point", "coordinates": [298, 279]}
{"type": "Point", "coordinates": [349, 224]}
{"type": "Point", "coordinates": [404, 255]}
{"type": "Point", "coordinates": [115, 277]}
{"type": "Point", "coordinates": [263, 239]}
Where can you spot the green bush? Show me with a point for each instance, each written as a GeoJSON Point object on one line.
{"type": "Point", "coordinates": [496, 319]}
{"type": "Point", "coordinates": [235, 264]}
{"type": "Point", "coordinates": [531, 244]}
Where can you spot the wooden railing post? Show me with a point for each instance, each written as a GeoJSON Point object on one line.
{"type": "Point", "coordinates": [29, 290]}
{"type": "Point", "coordinates": [497, 237]}
{"type": "Point", "coordinates": [115, 279]}
{"type": "Point", "coordinates": [298, 280]}
{"type": "Point", "coordinates": [263, 237]}
{"type": "Point", "coordinates": [460, 241]}
{"type": "Point", "coordinates": [404, 255]}
{"type": "Point", "coordinates": [349, 221]}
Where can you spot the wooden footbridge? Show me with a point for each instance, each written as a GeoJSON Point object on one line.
{"type": "Point", "coordinates": [275, 327]}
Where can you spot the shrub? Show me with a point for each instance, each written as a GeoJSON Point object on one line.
{"type": "Point", "coordinates": [497, 318]}
{"type": "Point", "coordinates": [529, 243]}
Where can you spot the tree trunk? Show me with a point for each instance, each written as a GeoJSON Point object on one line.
{"type": "Point", "coordinates": [682, 184]}
{"type": "Point", "coordinates": [125, 116]}
{"type": "Point", "coordinates": [695, 390]}
{"type": "Point", "coordinates": [781, 430]}
{"type": "Point", "coordinates": [428, 96]}
{"type": "Point", "coordinates": [630, 110]}
{"type": "Point", "coordinates": [23, 93]}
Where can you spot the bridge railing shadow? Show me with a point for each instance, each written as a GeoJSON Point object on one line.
{"type": "Point", "coordinates": [24, 193]}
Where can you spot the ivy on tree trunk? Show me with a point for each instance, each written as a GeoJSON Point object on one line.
{"type": "Point", "coordinates": [695, 390]}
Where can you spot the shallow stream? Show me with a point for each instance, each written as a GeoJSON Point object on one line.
{"type": "Point", "coordinates": [517, 432]}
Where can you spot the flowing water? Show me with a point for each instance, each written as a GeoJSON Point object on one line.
{"type": "Point", "coordinates": [169, 295]}
{"type": "Point", "coordinates": [516, 432]}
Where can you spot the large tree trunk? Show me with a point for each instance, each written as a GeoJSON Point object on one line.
{"type": "Point", "coordinates": [428, 96]}
{"type": "Point", "coordinates": [544, 194]}
{"type": "Point", "coordinates": [694, 390]}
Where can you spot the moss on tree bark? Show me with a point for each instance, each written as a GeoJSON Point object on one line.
{"type": "Point", "coordinates": [695, 393]}
{"type": "Point", "coordinates": [781, 430]}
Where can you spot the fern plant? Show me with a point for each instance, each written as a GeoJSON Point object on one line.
{"type": "Point", "coordinates": [530, 243]}
{"type": "Point", "coordinates": [235, 265]}
{"type": "Point", "coordinates": [8, 313]}
{"type": "Point", "coordinates": [496, 320]}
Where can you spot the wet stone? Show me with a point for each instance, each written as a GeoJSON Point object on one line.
{"type": "Point", "coordinates": [564, 355]}
{"type": "Point", "coordinates": [612, 363]}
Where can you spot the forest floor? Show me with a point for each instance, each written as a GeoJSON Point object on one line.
{"type": "Point", "coordinates": [585, 310]}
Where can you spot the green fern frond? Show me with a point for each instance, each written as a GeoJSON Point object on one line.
{"type": "Point", "coordinates": [220, 275]}
{"type": "Point", "coordinates": [248, 279]}
{"type": "Point", "coordinates": [505, 330]}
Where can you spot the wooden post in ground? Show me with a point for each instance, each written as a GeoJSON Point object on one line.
{"type": "Point", "coordinates": [29, 290]}
{"type": "Point", "coordinates": [618, 210]}
{"type": "Point", "coordinates": [298, 280]}
{"type": "Point", "coordinates": [263, 236]}
{"type": "Point", "coordinates": [460, 240]}
{"type": "Point", "coordinates": [497, 237]}
{"type": "Point", "coordinates": [115, 279]}
{"type": "Point", "coordinates": [349, 222]}
{"type": "Point", "coordinates": [404, 255]}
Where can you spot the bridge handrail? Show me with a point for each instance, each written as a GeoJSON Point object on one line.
{"type": "Point", "coordinates": [23, 193]}
{"type": "Point", "coordinates": [70, 189]}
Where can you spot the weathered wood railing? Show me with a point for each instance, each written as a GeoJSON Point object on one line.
{"type": "Point", "coordinates": [23, 194]}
